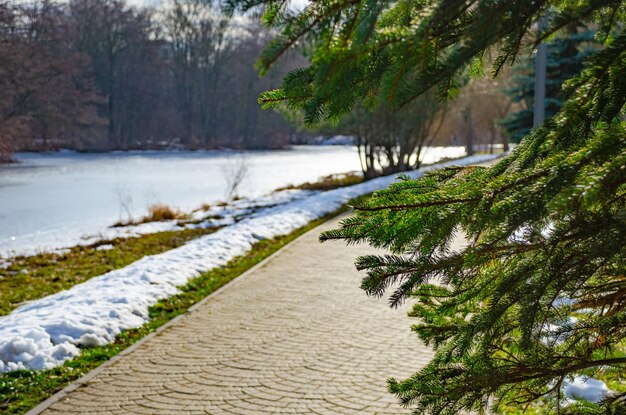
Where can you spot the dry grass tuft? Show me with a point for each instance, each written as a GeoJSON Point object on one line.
{"type": "Point", "coordinates": [330, 182]}
{"type": "Point", "coordinates": [157, 212]}
{"type": "Point", "coordinates": [205, 207]}
{"type": "Point", "coordinates": [160, 212]}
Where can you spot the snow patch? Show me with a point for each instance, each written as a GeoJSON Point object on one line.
{"type": "Point", "coordinates": [45, 333]}
{"type": "Point", "coordinates": [585, 388]}
{"type": "Point", "coordinates": [104, 247]}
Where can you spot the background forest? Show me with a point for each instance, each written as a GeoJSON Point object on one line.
{"type": "Point", "coordinates": [101, 75]}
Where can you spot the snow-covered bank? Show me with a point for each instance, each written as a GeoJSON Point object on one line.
{"type": "Point", "coordinates": [58, 200]}
{"type": "Point", "coordinates": [46, 332]}
{"type": "Point", "coordinates": [216, 216]}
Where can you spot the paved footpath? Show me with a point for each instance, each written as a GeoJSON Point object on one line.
{"type": "Point", "coordinates": [295, 335]}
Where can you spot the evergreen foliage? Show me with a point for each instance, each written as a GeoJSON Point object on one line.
{"type": "Point", "coordinates": [539, 293]}
{"type": "Point", "coordinates": [565, 60]}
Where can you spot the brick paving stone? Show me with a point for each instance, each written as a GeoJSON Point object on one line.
{"type": "Point", "coordinates": [294, 336]}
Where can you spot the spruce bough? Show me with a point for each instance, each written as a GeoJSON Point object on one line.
{"type": "Point", "coordinates": [538, 296]}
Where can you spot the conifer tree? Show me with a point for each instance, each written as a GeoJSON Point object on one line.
{"type": "Point", "coordinates": [565, 60]}
{"type": "Point", "coordinates": [539, 293]}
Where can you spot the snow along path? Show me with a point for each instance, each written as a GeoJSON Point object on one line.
{"type": "Point", "coordinates": [46, 332]}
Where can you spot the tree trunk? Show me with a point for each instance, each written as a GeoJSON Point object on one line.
{"type": "Point", "coordinates": [469, 131]}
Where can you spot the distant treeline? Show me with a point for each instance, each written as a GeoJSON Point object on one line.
{"type": "Point", "coordinates": [100, 75]}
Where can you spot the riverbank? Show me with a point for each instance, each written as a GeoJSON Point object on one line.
{"type": "Point", "coordinates": [27, 278]}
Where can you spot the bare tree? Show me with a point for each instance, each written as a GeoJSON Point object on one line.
{"type": "Point", "coordinates": [46, 92]}
{"type": "Point", "coordinates": [473, 118]}
{"type": "Point", "coordinates": [236, 172]}
{"type": "Point", "coordinates": [125, 201]}
{"type": "Point", "coordinates": [101, 75]}
{"type": "Point", "coordinates": [391, 140]}
{"type": "Point", "coordinates": [200, 47]}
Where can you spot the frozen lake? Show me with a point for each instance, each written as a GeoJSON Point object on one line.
{"type": "Point", "coordinates": [51, 201]}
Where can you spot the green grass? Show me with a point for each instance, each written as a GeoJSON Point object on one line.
{"type": "Point", "coordinates": [23, 390]}
{"type": "Point", "coordinates": [32, 277]}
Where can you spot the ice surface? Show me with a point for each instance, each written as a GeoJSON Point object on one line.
{"type": "Point", "coordinates": [54, 200]}
{"type": "Point", "coordinates": [46, 332]}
